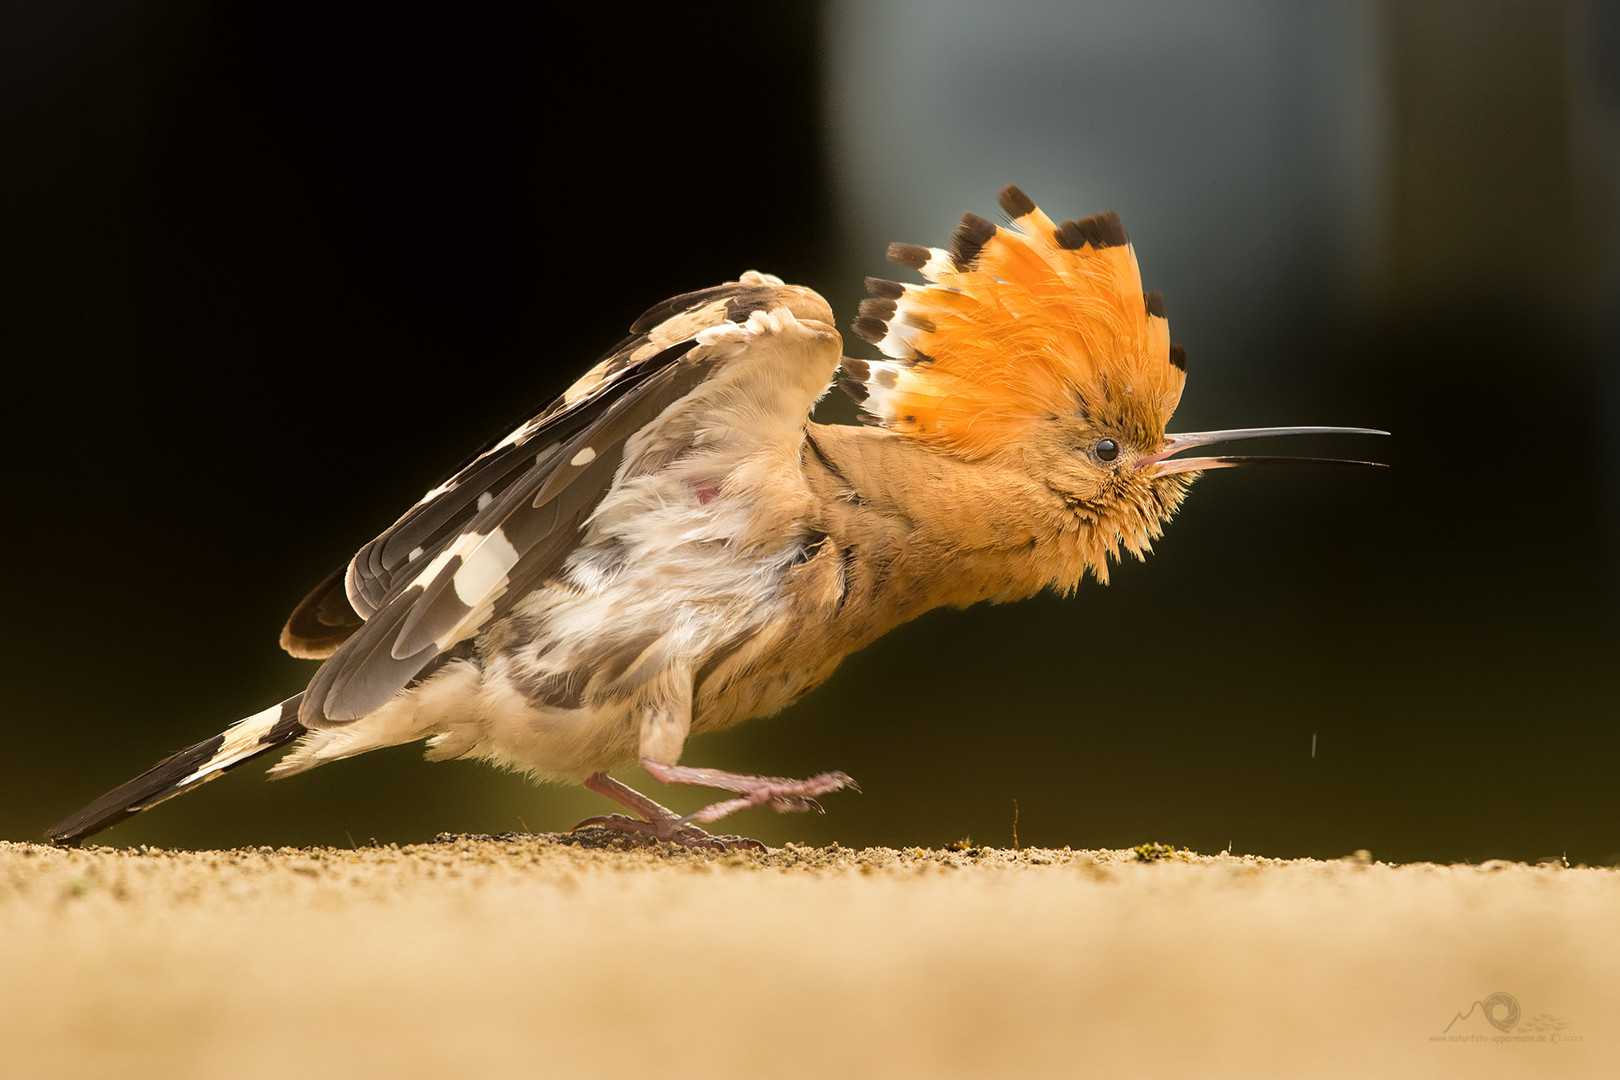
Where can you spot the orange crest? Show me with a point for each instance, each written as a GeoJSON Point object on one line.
{"type": "Point", "coordinates": [1017, 324]}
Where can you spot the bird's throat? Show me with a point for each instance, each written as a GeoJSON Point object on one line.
{"type": "Point", "coordinates": [914, 529]}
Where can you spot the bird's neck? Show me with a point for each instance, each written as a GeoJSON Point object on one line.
{"type": "Point", "coordinates": [913, 529]}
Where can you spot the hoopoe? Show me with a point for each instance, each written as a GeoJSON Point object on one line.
{"type": "Point", "coordinates": [673, 547]}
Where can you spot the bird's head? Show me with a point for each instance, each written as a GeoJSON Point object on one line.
{"type": "Point", "coordinates": [1035, 342]}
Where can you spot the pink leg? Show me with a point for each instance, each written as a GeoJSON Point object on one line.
{"type": "Point", "coordinates": [656, 821]}
{"type": "Point", "coordinates": [779, 793]}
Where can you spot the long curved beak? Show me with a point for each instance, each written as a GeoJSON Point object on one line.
{"type": "Point", "coordinates": [1164, 465]}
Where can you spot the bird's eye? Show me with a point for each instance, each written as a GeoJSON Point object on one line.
{"type": "Point", "coordinates": [1106, 449]}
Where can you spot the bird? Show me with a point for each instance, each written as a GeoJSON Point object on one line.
{"type": "Point", "coordinates": [673, 546]}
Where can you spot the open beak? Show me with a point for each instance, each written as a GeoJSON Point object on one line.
{"type": "Point", "coordinates": [1164, 464]}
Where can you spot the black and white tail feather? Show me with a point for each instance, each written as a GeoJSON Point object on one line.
{"type": "Point", "coordinates": [236, 745]}
{"type": "Point", "coordinates": [416, 596]}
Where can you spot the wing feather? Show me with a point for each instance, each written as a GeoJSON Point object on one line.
{"type": "Point", "coordinates": [322, 621]}
{"type": "Point", "coordinates": [508, 520]}
{"type": "Point", "coordinates": [336, 608]}
{"type": "Point", "coordinates": [524, 525]}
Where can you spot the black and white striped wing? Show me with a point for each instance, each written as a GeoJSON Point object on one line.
{"type": "Point", "coordinates": [337, 607]}
{"type": "Point", "coordinates": [504, 524]}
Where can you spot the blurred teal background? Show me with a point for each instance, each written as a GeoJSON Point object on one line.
{"type": "Point", "coordinates": [269, 272]}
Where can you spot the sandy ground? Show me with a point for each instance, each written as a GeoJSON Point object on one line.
{"type": "Point", "coordinates": [544, 956]}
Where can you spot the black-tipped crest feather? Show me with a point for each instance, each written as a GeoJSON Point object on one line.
{"type": "Point", "coordinates": [972, 233]}
{"type": "Point", "coordinates": [869, 329]}
{"type": "Point", "coordinates": [910, 256]}
{"type": "Point", "coordinates": [1014, 202]}
{"type": "Point", "coordinates": [880, 308]}
{"type": "Point", "coordinates": [1103, 230]}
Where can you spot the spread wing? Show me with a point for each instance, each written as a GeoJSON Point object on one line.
{"type": "Point", "coordinates": [508, 519]}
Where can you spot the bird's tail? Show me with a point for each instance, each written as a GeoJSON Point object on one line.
{"type": "Point", "coordinates": [242, 741]}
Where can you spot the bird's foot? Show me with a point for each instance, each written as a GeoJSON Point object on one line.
{"type": "Point", "coordinates": [672, 830]}
{"type": "Point", "coordinates": [655, 821]}
{"type": "Point", "coordinates": [781, 794]}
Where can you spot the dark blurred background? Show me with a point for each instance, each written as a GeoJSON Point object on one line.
{"type": "Point", "coordinates": [271, 270]}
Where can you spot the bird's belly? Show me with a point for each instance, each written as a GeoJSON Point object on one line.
{"type": "Point", "coordinates": [569, 677]}
{"type": "Point", "coordinates": [550, 743]}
